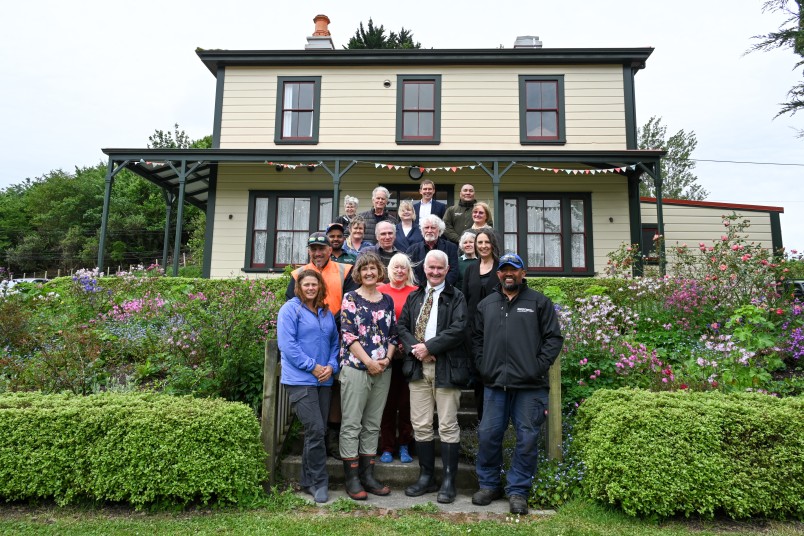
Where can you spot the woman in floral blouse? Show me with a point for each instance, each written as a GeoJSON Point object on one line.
{"type": "Point", "coordinates": [368, 342]}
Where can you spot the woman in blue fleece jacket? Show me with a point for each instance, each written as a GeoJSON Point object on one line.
{"type": "Point", "coordinates": [308, 343]}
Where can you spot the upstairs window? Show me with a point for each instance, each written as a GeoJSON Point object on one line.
{"type": "Point", "coordinates": [418, 117]}
{"type": "Point", "coordinates": [541, 103]}
{"type": "Point", "coordinates": [298, 110]}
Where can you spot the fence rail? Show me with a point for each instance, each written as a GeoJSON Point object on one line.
{"type": "Point", "coordinates": [276, 410]}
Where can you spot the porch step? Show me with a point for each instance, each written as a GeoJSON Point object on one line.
{"type": "Point", "coordinates": [396, 474]}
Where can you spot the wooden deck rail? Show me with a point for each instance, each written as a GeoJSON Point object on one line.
{"type": "Point", "coordinates": [276, 410]}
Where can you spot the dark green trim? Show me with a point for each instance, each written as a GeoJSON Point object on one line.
{"type": "Point", "coordinates": [630, 108]}
{"type": "Point", "coordinates": [566, 251]}
{"type": "Point", "coordinates": [216, 120]}
{"type": "Point", "coordinates": [400, 86]}
{"type": "Point", "coordinates": [280, 93]}
{"type": "Point", "coordinates": [523, 128]}
{"type": "Point", "coordinates": [206, 269]}
{"type": "Point", "coordinates": [635, 215]}
{"type": "Point", "coordinates": [403, 156]}
{"type": "Point", "coordinates": [776, 232]}
{"type": "Point", "coordinates": [314, 195]}
{"type": "Point", "coordinates": [633, 57]}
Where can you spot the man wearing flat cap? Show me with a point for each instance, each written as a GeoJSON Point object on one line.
{"type": "Point", "coordinates": [516, 338]}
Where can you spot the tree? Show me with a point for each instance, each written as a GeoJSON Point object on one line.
{"type": "Point", "coordinates": [679, 182]}
{"type": "Point", "coordinates": [375, 38]}
{"type": "Point", "coordinates": [789, 35]}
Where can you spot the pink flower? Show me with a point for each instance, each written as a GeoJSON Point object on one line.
{"type": "Point", "coordinates": [683, 386]}
{"type": "Point", "coordinates": [722, 267]}
{"type": "Point", "coordinates": [724, 238]}
{"type": "Point", "coordinates": [735, 247]}
{"type": "Point", "coordinates": [726, 223]}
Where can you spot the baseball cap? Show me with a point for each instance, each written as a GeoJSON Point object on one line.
{"type": "Point", "coordinates": [318, 239]}
{"type": "Point", "coordinates": [512, 259]}
{"type": "Point", "coordinates": [335, 225]}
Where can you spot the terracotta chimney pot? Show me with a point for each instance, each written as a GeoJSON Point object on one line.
{"type": "Point", "coordinates": [321, 26]}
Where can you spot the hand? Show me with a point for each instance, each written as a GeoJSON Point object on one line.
{"type": "Point", "coordinates": [325, 375]}
{"type": "Point", "coordinates": [375, 368]}
{"type": "Point", "coordinates": [419, 351]}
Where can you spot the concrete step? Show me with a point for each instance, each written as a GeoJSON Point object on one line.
{"type": "Point", "coordinates": [396, 474]}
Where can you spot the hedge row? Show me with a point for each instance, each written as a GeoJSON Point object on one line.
{"type": "Point", "coordinates": [665, 453]}
{"type": "Point", "coordinates": [143, 449]}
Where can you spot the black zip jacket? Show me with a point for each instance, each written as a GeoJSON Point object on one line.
{"type": "Point", "coordinates": [453, 363]}
{"type": "Point", "coordinates": [515, 342]}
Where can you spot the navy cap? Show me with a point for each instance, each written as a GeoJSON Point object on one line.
{"type": "Point", "coordinates": [511, 259]}
{"type": "Point", "coordinates": [318, 239]}
{"type": "Point", "coordinates": [335, 225]}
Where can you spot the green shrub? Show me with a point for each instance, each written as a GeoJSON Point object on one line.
{"type": "Point", "coordinates": [661, 454]}
{"type": "Point", "coordinates": [142, 449]}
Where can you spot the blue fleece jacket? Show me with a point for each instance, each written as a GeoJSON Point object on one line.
{"type": "Point", "coordinates": [305, 340]}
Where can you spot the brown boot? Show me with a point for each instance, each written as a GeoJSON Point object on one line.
{"type": "Point", "coordinates": [351, 470]}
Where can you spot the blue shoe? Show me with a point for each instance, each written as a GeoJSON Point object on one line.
{"type": "Point", "coordinates": [404, 455]}
{"type": "Point", "coordinates": [386, 457]}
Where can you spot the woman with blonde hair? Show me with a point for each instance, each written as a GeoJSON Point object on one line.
{"type": "Point", "coordinates": [481, 215]}
{"type": "Point", "coordinates": [407, 232]}
{"type": "Point", "coordinates": [354, 244]}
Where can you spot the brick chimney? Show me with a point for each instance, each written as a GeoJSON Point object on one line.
{"type": "Point", "coordinates": [321, 38]}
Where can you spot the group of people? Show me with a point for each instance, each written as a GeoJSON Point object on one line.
{"type": "Point", "coordinates": [404, 325]}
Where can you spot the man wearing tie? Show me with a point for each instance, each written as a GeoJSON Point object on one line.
{"type": "Point", "coordinates": [431, 330]}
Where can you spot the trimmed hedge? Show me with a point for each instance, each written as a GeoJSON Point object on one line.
{"type": "Point", "coordinates": [143, 449]}
{"type": "Point", "coordinates": [665, 453]}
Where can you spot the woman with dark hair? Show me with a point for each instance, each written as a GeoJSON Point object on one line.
{"type": "Point", "coordinates": [368, 343]}
{"type": "Point", "coordinates": [308, 345]}
{"type": "Point", "coordinates": [479, 281]}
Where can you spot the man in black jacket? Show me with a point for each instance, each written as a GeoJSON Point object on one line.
{"type": "Point", "coordinates": [515, 341]}
{"type": "Point", "coordinates": [432, 228]}
{"type": "Point", "coordinates": [431, 329]}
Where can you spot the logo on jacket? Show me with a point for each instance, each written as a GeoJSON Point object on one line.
{"type": "Point", "coordinates": [523, 310]}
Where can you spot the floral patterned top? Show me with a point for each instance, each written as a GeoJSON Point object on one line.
{"type": "Point", "coordinates": [372, 324]}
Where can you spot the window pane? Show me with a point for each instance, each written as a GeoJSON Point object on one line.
{"type": "Point", "coordinates": [301, 216]}
{"type": "Point", "coordinates": [291, 92]}
{"type": "Point", "coordinates": [305, 100]}
{"type": "Point", "coordinates": [410, 124]}
{"type": "Point", "coordinates": [552, 215]}
{"type": "Point", "coordinates": [536, 251]}
{"type": "Point", "coordinates": [411, 96]}
{"type": "Point", "coordinates": [549, 95]}
{"type": "Point", "coordinates": [304, 129]}
{"type": "Point", "coordinates": [426, 96]}
{"type": "Point", "coordinates": [552, 251]}
{"type": "Point", "coordinates": [510, 215]}
{"type": "Point", "coordinates": [284, 216]}
{"type": "Point", "coordinates": [535, 216]}
{"type": "Point", "coordinates": [259, 248]}
{"type": "Point", "coordinates": [426, 125]}
{"type": "Point", "coordinates": [287, 124]}
{"type": "Point", "coordinates": [549, 124]}
{"type": "Point", "coordinates": [576, 216]}
{"type": "Point", "coordinates": [284, 247]}
{"type": "Point", "coordinates": [534, 124]}
{"type": "Point", "coordinates": [578, 251]}
{"type": "Point", "coordinates": [324, 212]}
{"type": "Point", "coordinates": [509, 242]}
{"type": "Point", "coordinates": [261, 213]}
{"type": "Point", "coordinates": [533, 95]}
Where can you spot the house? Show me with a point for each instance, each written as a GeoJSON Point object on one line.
{"type": "Point", "coordinates": [547, 136]}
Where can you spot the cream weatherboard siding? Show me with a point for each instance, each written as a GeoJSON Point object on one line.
{"type": "Point", "coordinates": [479, 106]}
{"type": "Point", "coordinates": [609, 201]}
{"type": "Point", "coordinates": [684, 224]}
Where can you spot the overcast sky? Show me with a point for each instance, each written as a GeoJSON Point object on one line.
{"type": "Point", "coordinates": [81, 76]}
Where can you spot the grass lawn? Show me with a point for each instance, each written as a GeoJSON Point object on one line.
{"type": "Point", "coordinates": [289, 516]}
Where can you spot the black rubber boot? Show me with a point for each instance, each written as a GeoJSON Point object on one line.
{"type": "Point", "coordinates": [449, 458]}
{"type": "Point", "coordinates": [367, 477]}
{"type": "Point", "coordinates": [427, 481]}
{"type": "Point", "coordinates": [352, 479]}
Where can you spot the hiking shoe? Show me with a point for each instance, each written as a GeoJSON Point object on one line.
{"type": "Point", "coordinates": [386, 457]}
{"type": "Point", "coordinates": [404, 455]}
{"type": "Point", "coordinates": [484, 496]}
{"type": "Point", "coordinates": [320, 495]}
{"type": "Point", "coordinates": [518, 503]}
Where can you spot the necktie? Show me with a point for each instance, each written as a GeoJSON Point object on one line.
{"type": "Point", "coordinates": [424, 316]}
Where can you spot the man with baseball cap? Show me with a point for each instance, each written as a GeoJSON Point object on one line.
{"type": "Point", "coordinates": [516, 338]}
{"type": "Point", "coordinates": [336, 235]}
